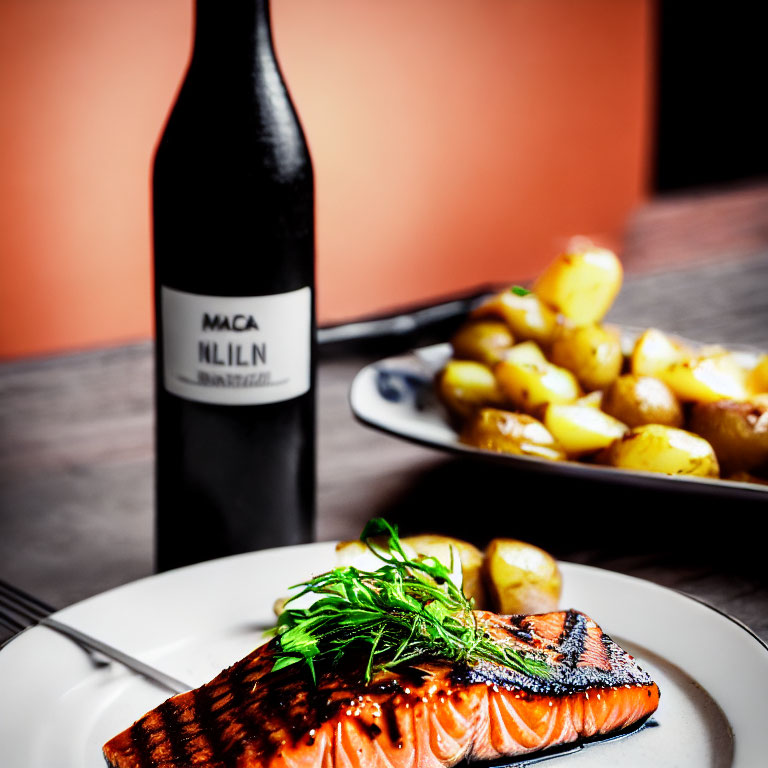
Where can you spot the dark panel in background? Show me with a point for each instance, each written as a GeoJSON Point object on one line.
{"type": "Point", "coordinates": [711, 127]}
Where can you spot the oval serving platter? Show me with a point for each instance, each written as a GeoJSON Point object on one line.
{"type": "Point", "coordinates": [396, 395]}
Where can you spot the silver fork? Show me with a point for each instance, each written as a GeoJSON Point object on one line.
{"type": "Point", "coordinates": [19, 611]}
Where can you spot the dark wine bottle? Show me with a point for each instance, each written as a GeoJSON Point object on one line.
{"type": "Point", "coordinates": [233, 204]}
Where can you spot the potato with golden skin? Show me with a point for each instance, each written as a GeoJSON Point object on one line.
{"type": "Point", "coordinates": [521, 578]}
{"type": "Point", "coordinates": [667, 450]}
{"type": "Point", "coordinates": [356, 553]}
{"type": "Point", "coordinates": [738, 431]}
{"type": "Point", "coordinates": [502, 431]}
{"type": "Point", "coordinates": [482, 340]}
{"type": "Point", "coordinates": [654, 351]}
{"type": "Point", "coordinates": [463, 386]}
{"type": "Point", "coordinates": [529, 386]}
{"type": "Point", "coordinates": [581, 283]}
{"type": "Point", "coordinates": [470, 556]}
{"type": "Point", "coordinates": [591, 352]}
{"type": "Point", "coordinates": [706, 379]}
{"type": "Point", "coordinates": [637, 400]}
{"type": "Point", "coordinates": [526, 352]}
{"type": "Point", "coordinates": [581, 429]}
{"type": "Point", "coordinates": [527, 316]}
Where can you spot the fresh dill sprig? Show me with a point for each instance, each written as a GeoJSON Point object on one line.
{"type": "Point", "coordinates": [408, 609]}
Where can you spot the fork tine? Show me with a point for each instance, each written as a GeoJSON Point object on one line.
{"type": "Point", "coordinates": [10, 623]}
{"type": "Point", "coordinates": [15, 604]}
{"type": "Point", "coordinates": [18, 610]}
{"type": "Point", "coordinates": [33, 603]}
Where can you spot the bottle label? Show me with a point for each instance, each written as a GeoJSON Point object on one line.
{"type": "Point", "coordinates": [237, 350]}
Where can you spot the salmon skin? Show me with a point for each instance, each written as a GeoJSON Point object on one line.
{"type": "Point", "coordinates": [426, 715]}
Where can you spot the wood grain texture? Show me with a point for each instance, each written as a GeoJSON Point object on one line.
{"type": "Point", "coordinates": [76, 461]}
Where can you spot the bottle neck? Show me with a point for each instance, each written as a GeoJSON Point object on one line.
{"type": "Point", "coordinates": [226, 31]}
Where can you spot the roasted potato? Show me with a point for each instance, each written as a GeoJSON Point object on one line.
{"type": "Point", "coordinates": [469, 557]}
{"type": "Point", "coordinates": [581, 429]}
{"type": "Point", "coordinates": [521, 578]}
{"type": "Point", "coordinates": [482, 340]}
{"type": "Point", "coordinates": [591, 352]}
{"type": "Point", "coordinates": [463, 386]}
{"type": "Point", "coordinates": [528, 386]}
{"type": "Point", "coordinates": [508, 432]}
{"type": "Point", "coordinates": [706, 379]}
{"type": "Point", "coordinates": [509, 577]}
{"type": "Point", "coordinates": [525, 352]}
{"type": "Point", "coordinates": [636, 400]}
{"type": "Point", "coordinates": [570, 372]}
{"type": "Point", "coordinates": [670, 451]}
{"type": "Point", "coordinates": [581, 284]}
{"type": "Point", "coordinates": [738, 431]}
{"type": "Point", "coordinates": [527, 316]}
{"type": "Point", "coordinates": [654, 352]}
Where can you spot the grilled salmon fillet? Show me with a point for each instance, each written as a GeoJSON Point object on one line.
{"type": "Point", "coordinates": [427, 715]}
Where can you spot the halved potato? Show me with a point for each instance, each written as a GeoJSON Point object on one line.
{"type": "Point", "coordinates": [591, 352]}
{"type": "Point", "coordinates": [470, 559]}
{"type": "Point", "coordinates": [507, 432]}
{"type": "Point", "coordinates": [521, 578]}
{"type": "Point", "coordinates": [465, 385]}
{"type": "Point", "coordinates": [706, 379]}
{"type": "Point", "coordinates": [482, 340]}
{"type": "Point", "coordinates": [527, 316]}
{"type": "Point", "coordinates": [738, 431]}
{"type": "Point", "coordinates": [671, 451]}
{"type": "Point", "coordinates": [525, 352]}
{"type": "Point", "coordinates": [531, 385]}
{"type": "Point", "coordinates": [636, 400]}
{"type": "Point", "coordinates": [470, 556]}
{"type": "Point", "coordinates": [654, 352]}
{"type": "Point", "coordinates": [581, 429]}
{"type": "Point", "coordinates": [581, 284]}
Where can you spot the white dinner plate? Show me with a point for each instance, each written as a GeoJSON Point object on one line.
{"type": "Point", "coordinates": [57, 707]}
{"type": "Point", "coordinates": [396, 395]}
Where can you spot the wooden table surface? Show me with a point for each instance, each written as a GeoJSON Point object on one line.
{"type": "Point", "coordinates": [76, 457]}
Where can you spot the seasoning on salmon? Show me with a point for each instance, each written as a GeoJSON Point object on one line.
{"type": "Point", "coordinates": [424, 714]}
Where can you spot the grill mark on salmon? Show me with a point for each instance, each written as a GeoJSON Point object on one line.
{"type": "Point", "coordinates": [428, 715]}
{"type": "Point", "coordinates": [203, 707]}
{"type": "Point", "coordinates": [174, 728]}
{"type": "Point", "coordinates": [393, 729]}
{"type": "Point", "coordinates": [139, 744]}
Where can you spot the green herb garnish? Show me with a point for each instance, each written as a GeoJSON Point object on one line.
{"type": "Point", "coordinates": [518, 290]}
{"type": "Point", "coordinates": [406, 610]}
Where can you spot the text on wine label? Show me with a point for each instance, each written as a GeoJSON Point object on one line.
{"type": "Point", "coordinates": [213, 353]}
{"type": "Point", "coordinates": [218, 322]}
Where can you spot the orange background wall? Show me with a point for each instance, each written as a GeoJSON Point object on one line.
{"type": "Point", "coordinates": [455, 142]}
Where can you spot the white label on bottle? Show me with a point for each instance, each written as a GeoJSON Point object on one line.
{"type": "Point", "coordinates": [237, 350]}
